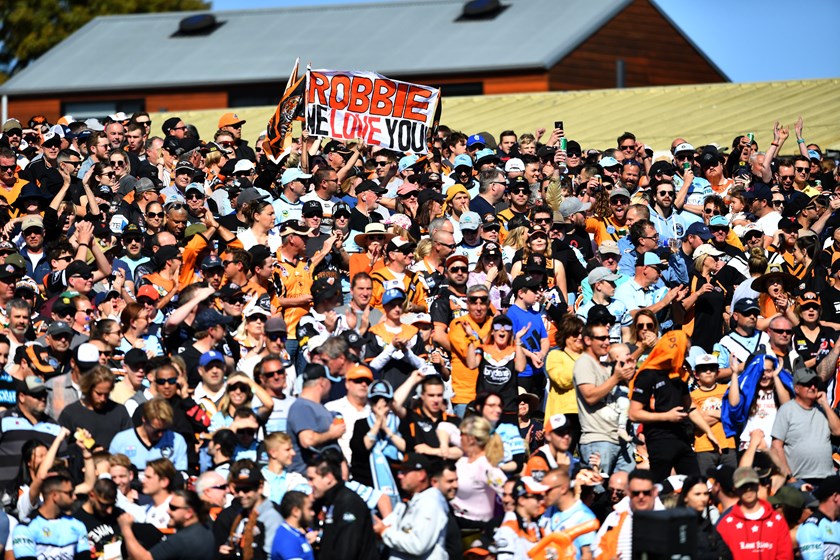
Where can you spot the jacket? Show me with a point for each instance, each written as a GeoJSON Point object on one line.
{"type": "Point", "coordinates": [418, 529]}
{"type": "Point", "coordinates": [734, 418]}
{"type": "Point", "coordinates": [765, 538]}
{"type": "Point", "coordinates": [348, 527]}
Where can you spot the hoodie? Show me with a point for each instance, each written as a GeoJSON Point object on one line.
{"type": "Point", "coordinates": [765, 538]}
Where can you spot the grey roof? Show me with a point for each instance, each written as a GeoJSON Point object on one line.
{"type": "Point", "coordinates": [397, 39]}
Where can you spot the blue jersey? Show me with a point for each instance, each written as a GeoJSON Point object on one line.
{"type": "Point", "coordinates": [64, 538]}
{"type": "Point", "coordinates": [819, 538]}
{"type": "Point", "coordinates": [171, 446]}
{"type": "Point", "coordinates": [512, 441]}
{"type": "Point", "coordinates": [555, 520]}
{"type": "Point", "coordinates": [290, 544]}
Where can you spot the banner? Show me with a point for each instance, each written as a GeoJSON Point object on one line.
{"type": "Point", "coordinates": [381, 111]}
{"type": "Point", "coordinates": [289, 109]}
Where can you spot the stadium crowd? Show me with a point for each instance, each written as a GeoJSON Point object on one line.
{"type": "Point", "coordinates": [348, 353]}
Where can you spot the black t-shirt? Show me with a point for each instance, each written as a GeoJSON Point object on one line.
{"type": "Point", "coordinates": [830, 305]}
{"type": "Point", "coordinates": [192, 543]}
{"type": "Point", "coordinates": [233, 223]}
{"type": "Point", "coordinates": [358, 221]}
{"type": "Point", "coordinates": [103, 424]}
{"type": "Point", "coordinates": [497, 374]}
{"type": "Point", "coordinates": [667, 393]}
{"type": "Point", "coordinates": [819, 348]}
{"type": "Point", "coordinates": [448, 306]}
{"type": "Point", "coordinates": [418, 428]}
{"type": "Point", "coordinates": [101, 531]}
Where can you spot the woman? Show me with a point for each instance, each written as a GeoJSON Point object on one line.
{"type": "Point", "coordinates": [407, 201]}
{"type": "Point", "coordinates": [813, 276]}
{"type": "Point", "coordinates": [754, 396]}
{"type": "Point", "coordinates": [706, 302]}
{"type": "Point", "coordinates": [498, 363]}
{"type": "Point", "coordinates": [348, 190]}
{"type": "Point", "coordinates": [102, 175]}
{"type": "Point", "coordinates": [811, 340]}
{"type": "Point", "coordinates": [538, 245]}
{"type": "Point", "coordinates": [559, 366]}
{"type": "Point", "coordinates": [376, 444]}
{"type": "Point", "coordinates": [776, 288]}
{"type": "Point", "coordinates": [695, 496]}
{"type": "Point", "coordinates": [393, 349]}
{"type": "Point", "coordinates": [480, 482]}
{"type": "Point", "coordinates": [490, 271]}
{"type": "Point", "coordinates": [239, 392]}
{"type": "Point", "coordinates": [513, 244]}
{"type": "Point", "coordinates": [436, 356]}
{"type": "Point", "coordinates": [531, 430]}
{"type": "Point", "coordinates": [372, 243]}
{"type": "Point", "coordinates": [250, 333]}
{"type": "Point", "coordinates": [457, 202]}
{"type": "Point", "coordinates": [429, 210]}
{"type": "Point", "coordinates": [644, 334]}
{"type": "Point", "coordinates": [119, 162]}
{"type": "Point", "coordinates": [95, 411]}
{"type": "Point", "coordinates": [214, 160]}
{"type": "Point", "coordinates": [261, 231]}
{"type": "Point", "coordinates": [155, 218]}
{"type": "Point", "coordinates": [134, 322]}
{"type": "Point", "coordinates": [488, 405]}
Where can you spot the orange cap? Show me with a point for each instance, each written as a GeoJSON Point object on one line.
{"type": "Point", "coordinates": [359, 372]}
{"type": "Point", "coordinates": [229, 119]}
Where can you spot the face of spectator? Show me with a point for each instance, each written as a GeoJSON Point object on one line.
{"type": "Point", "coordinates": [432, 398]}
{"type": "Point", "coordinates": [176, 222]}
{"type": "Point", "coordinates": [166, 383]}
{"type": "Point", "coordinates": [599, 342]}
{"type": "Point", "coordinates": [122, 478]}
{"type": "Point", "coordinates": [697, 497]}
{"type": "Point", "coordinates": [274, 376]}
{"type": "Point", "coordinates": [492, 409]}
{"type": "Point", "coordinates": [320, 484]}
{"type": "Point", "coordinates": [152, 483]}
{"type": "Point", "coordinates": [506, 143]}
{"type": "Point", "coordinates": [630, 175]}
{"type": "Point", "coordinates": [802, 171]}
{"type": "Point", "coordinates": [665, 195]}
{"type": "Point", "coordinates": [64, 496]}
{"type": "Point", "coordinates": [99, 395]}
{"type": "Point", "coordinates": [477, 304]}
{"type": "Point", "coordinates": [532, 173]}
{"type": "Point", "coordinates": [447, 483]}
{"type": "Point", "coordinates": [780, 333]}
{"type": "Point", "coordinates": [179, 130]}
{"type": "Point", "coordinates": [642, 495]}
{"type": "Point", "coordinates": [116, 133]}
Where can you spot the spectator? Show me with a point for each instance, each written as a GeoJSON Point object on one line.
{"type": "Point", "coordinates": [311, 426]}
{"type": "Point", "coordinates": [354, 406]}
{"type": "Point", "coordinates": [153, 439]}
{"type": "Point", "coordinates": [616, 533]}
{"type": "Point", "coordinates": [291, 540]}
{"type": "Point", "coordinates": [101, 417]}
{"type": "Point", "coordinates": [480, 481]}
{"type": "Point", "coordinates": [815, 537]}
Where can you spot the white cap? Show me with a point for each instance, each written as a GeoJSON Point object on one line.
{"type": "Point", "coordinates": [684, 147]}
{"type": "Point", "coordinates": [514, 164]}
{"type": "Point", "coordinates": [243, 165]}
{"type": "Point", "coordinates": [705, 360]}
{"type": "Point", "coordinates": [706, 250]}
{"type": "Point", "coordinates": [557, 421]}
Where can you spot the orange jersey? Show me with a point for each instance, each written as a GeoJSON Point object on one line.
{"type": "Point", "coordinates": [605, 229]}
{"type": "Point", "coordinates": [462, 331]}
{"type": "Point", "coordinates": [297, 281]}
{"type": "Point", "coordinates": [411, 284]}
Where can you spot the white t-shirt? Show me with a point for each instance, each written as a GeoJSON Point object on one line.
{"type": "Point", "coordinates": [769, 224]}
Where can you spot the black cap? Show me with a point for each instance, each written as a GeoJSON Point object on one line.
{"type": "Point", "coordinates": [135, 357]}
{"type": "Point", "coordinates": [428, 194]}
{"type": "Point", "coordinates": [524, 281]}
{"type": "Point", "coordinates": [353, 339]}
{"type": "Point", "coordinates": [314, 371]}
{"type": "Point", "coordinates": [600, 315]}
{"type": "Point", "coordinates": [312, 208]}
{"type": "Point", "coordinates": [164, 254]}
{"type": "Point", "coordinates": [369, 185]}
{"type": "Point", "coordinates": [341, 208]}
{"type": "Point", "coordinates": [209, 318]}
{"type": "Point", "coordinates": [172, 145]}
{"type": "Point", "coordinates": [415, 462]}
{"type": "Point", "coordinates": [518, 183]}
{"type": "Point", "coordinates": [78, 268]}
{"type": "Point", "coordinates": [662, 168]}
{"type": "Point", "coordinates": [325, 288]}
{"type": "Point", "coordinates": [169, 124]}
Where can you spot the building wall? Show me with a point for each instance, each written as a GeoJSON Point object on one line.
{"type": "Point", "coordinates": [654, 54]}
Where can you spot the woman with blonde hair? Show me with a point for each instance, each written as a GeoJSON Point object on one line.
{"type": "Point", "coordinates": [514, 243]}
{"type": "Point", "coordinates": [480, 480]}
{"type": "Point", "coordinates": [644, 333]}
{"type": "Point", "coordinates": [215, 159]}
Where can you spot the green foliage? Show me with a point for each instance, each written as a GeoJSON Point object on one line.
{"type": "Point", "coordinates": [29, 28]}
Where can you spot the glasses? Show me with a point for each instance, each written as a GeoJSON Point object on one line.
{"type": "Point", "coordinates": [144, 123]}
{"type": "Point", "coordinates": [86, 312]}
{"type": "Point", "coordinates": [381, 163]}
{"type": "Point", "coordinates": [173, 507]}
{"type": "Point", "coordinates": [711, 212]}
{"type": "Point", "coordinates": [116, 162]}
{"type": "Point", "coordinates": [74, 163]}
{"type": "Point", "coordinates": [620, 200]}
{"type": "Point", "coordinates": [785, 178]}
{"type": "Point", "coordinates": [166, 381]}
{"type": "Point", "coordinates": [684, 157]}
{"type": "Point", "coordinates": [654, 237]}
{"type": "Point", "coordinates": [810, 308]}
{"type": "Point", "coordinates": [778, 203]}
{"type": "Point", "coordinates": [719, 229]}
{"type": "Point", "coordinates": [628, 148]}
{"type": "Point", "coordinates": [242, 387]}
{"type": "Point", "coordinates": [8, 167]}
{"type": "Point", "coordinates": [666, 193]}
{"type": "Point", "coordinates": [602, 338]}
{"type": "Point", "coordinates": [65, 258]}
{"type": "Point", "coordinates": [274, 337]}
{"type": "Point", "coordinates": [195, 196]}
{"type": "Point", "coordinates": [645, 326]}
{"type": "Point", "coordinates": [158, 215]}
{"type": "Point", "coordinates": [219, 487]}
{"type": "Point", "coordinates": [802, 169]}
{"type": "Point", "coordinates": [542, 220]}
{"type": "Point", "coordinates": [785, 332]}
{"type": "Point", "coordinates": [449, 246]}
{"type": "Point", "coordinates": [178, 128]}
{"type": "Point", "coordinates": [33, 231]}
{"type": "Point", "coordinates": [236, 126]}
{"type": "Point", "coordinates": [257, 317]}
{"type": "Point", "coordinates": [458, 270]}
{"type": "Point", "coordinates": [275, 373]}
{"type": "Point", "coordinates": [361, 380]}
{"type": "Point", "coordinates": [520, 191]}
{"type": "Point", "coordinates": [109, 174]}
{"type": "Point", "coordinates": [478, 299]}
{"type": "Point", "coordinates": [498, 327]}
{"type": "Point", "coordinates": [637, 493]}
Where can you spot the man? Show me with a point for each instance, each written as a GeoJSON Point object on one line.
{"type": "Point", "coordinates": [802, 431]}
{"type": "Point", "coordinates": [519, 531]}
{"type": "Point", "coordinates": [780, 333]}
{"type": "Point", "coordinates": [288, 205]}
{"type": "Point", "coordinates": [419, 423]}
{"type": "Point", "coordinates": [753, 529]}
{"type": "Point", "coordinates": [743, 341]}
{"type": "Point", "coordinates": [556, 451]}
{"type": "Point", "coordinates": [367, 209]}
{"type": "Point", "coordinates": [358, 313]}
{"type": "Point", "coordinates": [273, 376]}
{"type": "Point", "coordinates": [759, 198]}
{"type": "Point", "coordinates": [115, 132]}
{"type": "Point", "coordinates": [615, 226]}
{"type": "Point", "coordinates": [535, 339]}
{"type": "Point", "coordinates": [444, 477]}
{"type": "Point", "coordinates": [231, 123]}
{"type": "Point", "coordinates": [491, 190]}
{"type": "Point", "coordinates": [451, 300]}
{"type": "Point", "coordinates": [598, 395]}
{"type": "Point", "coordinates": [615, 492]}
{"type": "Point", "coordinates": [296, 279]}
{"type": "Point", "coordinates": [663, 214]}
{"type": "Point", "coordinates": [98, 149]}
{"type": "Point", "coordinates": [603, 284]}
{"type": "Point", "coordinates": [416, 529]}
{"type": "Point", "coordinates": [432, 266]}
{"type": "Point", "coordinates": [471, 242]}
{"type": "Point", "coordinates": [209, 333]}
{"type": "Point", "coordinates": [817, 536]}
{"type": "Point", "coordinates": [310, 424]}
{"type": "Point", "coordinates": [616, 534]}
{"type": "Point", "coordinates": [211, 389]}
{"type": "Point", "coordinates": [507, 140]}
{"type": "Point", "coordinates": [26, 421]}
{"type": "Point", "coordinates": [348, 526]}
{"type": "Point", "coordinates": [184, 173]}
{"type": "Point", "coordinates": [212, 488]}
{"type": "Point", "coordinates": [248, 526]}
{"type": "Point", "coordinates": [99, 514]}
{"type": "Point", "coordinates": [573, 212]}
{"type": "Point", "coordinates": [325, 186]}
{"type": "Point", "coordinates": [353, 406]}
{"type": "Point", "coordinates": [192, 539]}
{"type": "Point", "coordinates": [51, 532]}
{"type": "Point", "coordinates": [564, 510]}
{"type": "Point", "coordinates": [644, 290]}
{"type": "Point", "coordinates": [645, 239]}
{"type": "Point", "coordinates": [291, 541]}
{"type": "Point", "coordinates": [10, 183]}
{"type": "Point", "coordinates": [695, 235]}
{"type": "Point", "coordinates": [154, 438]}
{"type": "Point", "coordinates": [520, 193]}
{"type": "Point", "coordinates": [462, 332]}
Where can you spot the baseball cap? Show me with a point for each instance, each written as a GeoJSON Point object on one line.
{"type": "Point", "coordinates": [36, 360]}
{"type": "Point", "coordinates": [699, 229]}
{"type": "Point", "coordinates": [705, 360]}
{"type": "Point", "coordinates": [31, 221]}
{"type": "Point", "coordinates": [296, 227]}
{"type": "Point", "coordinates": [485, 155]}
{"type": "Point", "coordinates": [144, 184]}
{"type": "Point", "coordinates": [723, 474]}
{"type": "Point", "coordinates": [462, 160]}
{"type": "Point", "coordinates": [354, 339]}
{"type": "Point", "coordinates": [249, 195]}
{"type": "Point", "coordinates": [746, 304]}
{"type": "Point", "coordinates": [557, 422]}
{"type": "Point", "coordinates": [148, 291]}
{"type": "Point", "coordinates": [808, 297]}
{"type": "Point", "coordinates": [759, 191]}
{"type": "Point", "coordinates": [246, 477]}
{"type": "Point", "coordinates": [135, 357]}
{"type": "Point", "coordinates": [788, 496]}
{"type": "Point", "coordinates": [211, 261]}
{"type": "Point", "coordinates": [401, 245]}
{"type": "Point", "coordinates": [209, 318]}
{"type": "Point", "coordinates": [743, 476]}
{"type": "Point", "coordinates": [243, 165]}
{"type": "Point", "coordinates": [528, 486]}
{"type": "Point", "coordinates": [572, 205]}
{"type": "Point", "coordinates": [524, 281]}
{"type": "Point", "coordinates": [620, 191]}
{"type": "Point", "coordinates": [609, 247]}
{"type": "Point", "coordinates": [229, 119]}
{"type": "Point", "coordinates": [514, 164]}
{"type": "Point", "coordinates": [211, 356]}
{"type": "Point", "coordinates": [380, 389]}
{"type": "Point", "coordinates": [293, 174]}
{"type": "Point", "coordinates": [469, 221]}
{"type": "Point", "coordinates": [706, 250]}
{"type": "Point", "coordinates": [341, 208]}
{"type": "Point", "coordinates": [368, 185]}
{"type": "Point", "coordinates": [276, 324]}
{"type": "Point", "coordinates": [683, 147]}
{"type": "Point", "coordinates": [184, 167]}
{"type": "Point", "coordinates": [59, 327]}
{"type": "Point", "coordinates": [86, 356]}
{"type": "Point", "coordinates": [12, 124]}
{"type": "Point", "coordinates": [609, 162]}
{"type": "Point", "coordinates": [325, 287]}
{"type": "Point", "coordinates": [475, 139]}
{"type": "Point", "coordinates": [415, 462]}
{"type": "Point", "coordinates": [406, 162]}
{"type": "Point", "coordinates": [314, 371]}
{"type": "Point", "coordinates": [312, 208]}
{"type": "Point", "coordinates": [33, 385]}
{"type": "Point", "coordinates": [168, 124]}
{"type": "Point", "coordinates": [802, 376]}
{"type": "Point", "coordinates": [600, 274]}
{"type": "Point", "coordinates": [359, 371]}
{"type": "Point", "coordinates": [649, 259]}
{"type": "Point", "coordinates": [600, 315]}
{"type": "Point", "coordinates": [392, 294]}
{"type": "Point", "coordinates": [456, 258]}
{"type": "Point", "coordinates": [661, 168]}
{"type": "Point", "coordinates": [720, 221]}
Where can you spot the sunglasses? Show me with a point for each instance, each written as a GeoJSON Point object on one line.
{"type": "Point", "coordinates": [810, 308]}
{"type": "Point", "coordinates": [447, 245]}
{"type": "Point", "coordinates": [520, 191]}
{"type": "Point", "coordinates": [276, 336]}
{"type": "Point", "coordinates": [458, 269]}
{"type": "Point", "coordinates": [158, 215]}
{"type": "Point", "coordinates": [275, 373]}
{"type": "Point", "coordinates": [711, 212]}
{"type": "Point", "coordinates": [600, 338]}
{"type": "Point", "coordinates": [542, 220]}
{"type": "Point", "coordinates": [381, 163]}
{"type": "Point", "coordinates": [478, 299]}
{"type": "Point", "coordinates": [195, 196]}
{"type": "Point", "coordinates": [666, 193]}
{"type": "Point", "coordinates": [8, 167]}
{"type": "Point", "coordinates": [644, 326]}
{"type": "Point", "coordinates": [637, 493]}
{"type": "Point", "coordinates": [778, 203]}
{"type": "Point", "coordinates": [788, 332]}
{"type": "Point", "coordinates": [173, 507]}
{"type": "Point", "coordinates": [242, 387]}
{"type": "Point", "coordinates": [802, 169]}
{"type": "Point", "coordinates": [166, 381]}
{"type": "Point", "coordinates": [361, 380]}
{"type": "Point", "coordinates": [116, 163]}
{"type": "Point", "coordinates": [499, 327]}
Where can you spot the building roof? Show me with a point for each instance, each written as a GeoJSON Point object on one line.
{"type": "Point", "coordinates": [397, 39]}
{"type": "Point", "coordinates": [703, 114]}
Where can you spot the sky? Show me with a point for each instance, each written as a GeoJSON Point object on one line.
{"type": "Point", "coordinates": [749, 40]}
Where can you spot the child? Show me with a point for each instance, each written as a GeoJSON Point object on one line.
{"type": "Point", "coordinates": [278, 480]}
{"type": "Point", "coordinates": [708, 397]}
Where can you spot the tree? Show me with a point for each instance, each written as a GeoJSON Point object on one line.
{"type": "Point", "coordinates": [29, 29]}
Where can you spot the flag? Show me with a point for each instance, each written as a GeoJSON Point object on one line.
{"type": "Point", "coordinates": [289, 109]}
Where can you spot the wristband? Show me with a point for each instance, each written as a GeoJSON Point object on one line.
{"type": "Point", "coordinates": [800, 141]}
{"type": "Point", "coordinates": [84, 245]}
{"type": "Point", "coordinates": [774, 144]}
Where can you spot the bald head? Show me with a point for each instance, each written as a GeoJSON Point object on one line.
{"type": "Point", "coordinates": [208, 480]}
{"type": "Point", "coordinates": [617, 486]}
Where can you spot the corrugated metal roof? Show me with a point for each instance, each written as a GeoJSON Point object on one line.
{"type": "Point", "coordinates": [402, 38]}
{"type": "Point", "coordinates": [700, 113]}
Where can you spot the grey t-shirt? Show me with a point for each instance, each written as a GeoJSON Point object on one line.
{"type": "Point", "coordinates": [599, 422]}
{"type": "Point", "coordinates": [807, 440]}
{"type": "Point", "coordinates": [306, 415]}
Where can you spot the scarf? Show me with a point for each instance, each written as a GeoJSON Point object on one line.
{"type": "Point", "coordinates": [668, 355]}
{"type": "Point", "coordinates": [380, 454]}
{"type": "Point", "coordinates": [734, 418]}
{"type": "Point", "coordinates": [246, 540]}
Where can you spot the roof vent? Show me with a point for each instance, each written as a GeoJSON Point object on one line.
{"type": "Point", "coordinates": [199, 25]}
{"type": "Point", "coordinates": [480, 10]}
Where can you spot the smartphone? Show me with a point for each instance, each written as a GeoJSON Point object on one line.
{"type": "Point", "coordinates": [559, 124]}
